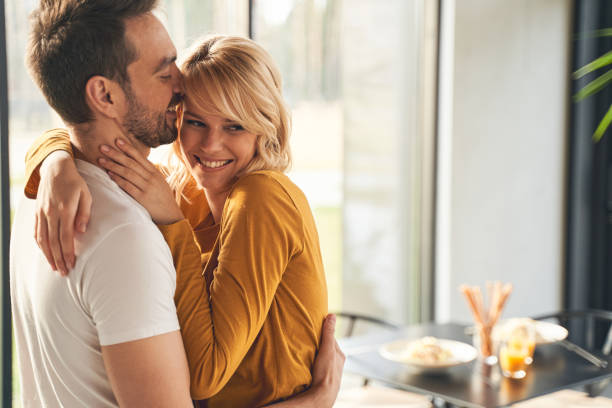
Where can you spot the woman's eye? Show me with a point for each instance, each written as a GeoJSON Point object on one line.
{"type": "Point", "coordinates": [235, 128]}
{"type": "Point", "coordinates": [166, 77]}
{"type": "Point", "coordinates": [195, 123]}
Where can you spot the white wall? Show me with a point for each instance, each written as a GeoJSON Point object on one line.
{"type": "Point", "coordinates": [503, 101]}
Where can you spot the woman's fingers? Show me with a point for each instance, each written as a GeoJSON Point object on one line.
{"type": "Point", "coordinates": [83, 211]}
{"type": "Point", "coordinates": [66, 240]}
{"type": "Point", "coordinates": [42, 240]}
{"type": "Point", "coordinates": [132, 152]}
{"type": "Point", "coordinates": [54, 244]}
{"type": "Point", "coordinates": [141, 180]}
{"type": "Point", "coordinates": [126, 186]}
{"type": "Point", "coordinates": [123, 159]}
{"type": "Point", "coordinates": [126, 173]}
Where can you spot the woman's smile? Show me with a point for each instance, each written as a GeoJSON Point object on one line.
{"type": "Point", "coordinates": [211, 165]}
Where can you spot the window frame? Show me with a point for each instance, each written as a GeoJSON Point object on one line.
{"type": "Point", "coordinates": [5, 209]}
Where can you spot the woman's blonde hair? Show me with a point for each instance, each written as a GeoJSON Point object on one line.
{"type": "Point", "coordinates": [235, 78]}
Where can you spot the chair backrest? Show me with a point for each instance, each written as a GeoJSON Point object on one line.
{"type": "Point", "coordinates": [350, 324]}
{"type": "Point", "coordinates": [590, 328]}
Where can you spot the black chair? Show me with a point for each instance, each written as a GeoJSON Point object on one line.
{"type": "Point", "coordinates": [592, 330]}
{"type": "Point", "coordinates": [353, 321]}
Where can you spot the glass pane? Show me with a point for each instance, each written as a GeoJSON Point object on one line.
{"type": "Point", "coordinates": [304, 40]}
{"type": "Point", "coordinates": [350, 73]}
{"type": "Point", "coordinates": [189, 20]}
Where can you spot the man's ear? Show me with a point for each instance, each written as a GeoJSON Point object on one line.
{"type": "Point", "coordinates": [104, 96]}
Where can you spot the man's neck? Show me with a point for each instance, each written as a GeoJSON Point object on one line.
{"type": "Point", "coordinates": [87, 139]}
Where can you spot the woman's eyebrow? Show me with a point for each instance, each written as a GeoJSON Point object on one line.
{"type": "Point", "coordinates": [193, 114]}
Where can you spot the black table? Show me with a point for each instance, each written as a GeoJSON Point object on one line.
{"type": "Point", "coordinates": [474, 384]}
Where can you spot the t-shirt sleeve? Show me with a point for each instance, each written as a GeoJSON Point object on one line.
{"type": "Point", "coordinates": [47, 143]}
{"type": "Point", "coordinates": [129, 285]}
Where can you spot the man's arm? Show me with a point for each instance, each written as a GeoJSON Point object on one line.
{"type": "Point", "coordinates": [150, 372]}
{"type": "Point", "coordinates": [127, 289]}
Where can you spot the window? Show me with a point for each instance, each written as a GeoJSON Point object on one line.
{"type": "Point", "coordinates": [360, 79]}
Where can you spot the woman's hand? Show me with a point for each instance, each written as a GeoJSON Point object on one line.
{"type": "Point", "coordinates": [139, 178]}
{"type": "Point", "coordinates": [63, 204]}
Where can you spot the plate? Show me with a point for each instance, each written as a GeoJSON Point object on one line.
{"type": "Point", "coordinates": [546, 332]}
{"type": "Point", "coordinates": [401, 351]}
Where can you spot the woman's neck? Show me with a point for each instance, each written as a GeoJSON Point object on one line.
{"type": "Point", "coordinates": [216, 201]}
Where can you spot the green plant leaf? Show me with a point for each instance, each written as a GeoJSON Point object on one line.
{"type": "Point", "coordinates": [603, 126]}
{"type": "Point", "coordinates": [600, 62]}
{"type": "Point", "coordinates": [594, 86]}
{"type": "Point", "coordinates": [604, 32]}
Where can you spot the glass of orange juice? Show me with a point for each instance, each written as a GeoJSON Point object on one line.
{"type": "Point", "coordinates": [512, 357]}
{"type": "Point", "coordinates": [525, 331]}
{"type": "Point", "coordinates": [516, 351]}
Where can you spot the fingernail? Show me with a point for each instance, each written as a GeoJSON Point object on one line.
{"type": "Point", "coordinates": [82, 227]}
{"type": "Point", "coordinates": [105, 148]}
{"type": "Point", "coordinates": [102, 160]}
{"type": "Point", "coordinates": [120, 142]}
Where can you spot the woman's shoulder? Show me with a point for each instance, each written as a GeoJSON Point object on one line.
{"type": "Point", "coordinates": [267, 194]}
{"type": "Point", "coordinates": [264, 183]}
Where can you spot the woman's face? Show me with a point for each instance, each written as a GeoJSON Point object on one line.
{"type": "Point", "coordinates": [217, 149]}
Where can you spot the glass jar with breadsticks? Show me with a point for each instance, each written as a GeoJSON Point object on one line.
{"type": "Point", "coordinates": [486, 313]}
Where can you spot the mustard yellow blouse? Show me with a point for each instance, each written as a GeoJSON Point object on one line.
{"type": "Point", "coordinates": [251, 320]}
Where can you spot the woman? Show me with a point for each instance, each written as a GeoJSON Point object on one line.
{"type": "Point", "coordinates": [252, 330]}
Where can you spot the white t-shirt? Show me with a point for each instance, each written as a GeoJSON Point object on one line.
{"type": "Point", "coordinates": [121, 289]}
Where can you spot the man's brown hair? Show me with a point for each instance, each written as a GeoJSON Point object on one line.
{"type": "Point", "coordinates": [73, 40]}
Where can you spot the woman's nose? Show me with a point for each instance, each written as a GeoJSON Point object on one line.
{"type": "Point", "coordinates": [212, 140]}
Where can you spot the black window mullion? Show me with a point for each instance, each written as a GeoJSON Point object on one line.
{"type": "Point", "coordinates": [251, 11]}
{"type": "Point", "coordinates": [5, 203]}
{"type": "Point", "coordinates": [589, 208]}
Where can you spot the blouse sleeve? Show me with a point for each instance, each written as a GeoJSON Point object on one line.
{"type": "Point", "coordinates": [260, 233]}
{"type": "Point", "coordinates": [47, 143]}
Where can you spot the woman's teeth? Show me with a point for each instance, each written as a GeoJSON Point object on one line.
{"type": "Point", "coordinates": [213, 164]}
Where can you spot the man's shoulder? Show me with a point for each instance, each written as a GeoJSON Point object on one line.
{"type": "Point", "coordinates": [111, 205]}
{"type": "Point", "coordinates": [116, 219]}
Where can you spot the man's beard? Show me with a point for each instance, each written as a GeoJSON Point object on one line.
{"type": "Point", "coordinates": [150, 127]}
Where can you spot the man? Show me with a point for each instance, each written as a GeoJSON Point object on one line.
{"type": "Point", "coordinates": [108, 334]}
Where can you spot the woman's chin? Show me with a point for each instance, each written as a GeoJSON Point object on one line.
{"type": "Point", "coordinates": [210, 183]}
